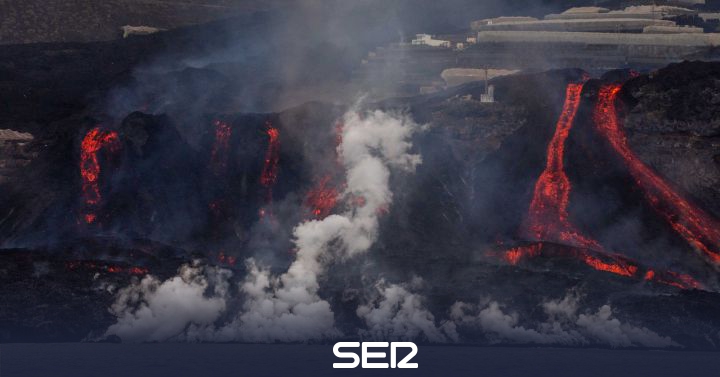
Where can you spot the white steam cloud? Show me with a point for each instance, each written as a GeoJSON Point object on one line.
{"type": "Point", "coordinates": [285, 308]}
{"type": "Point", "coordinates": [563, 326]}
{"type": "Point", "coordinates": [201, 303]}
{"type": "Point", "coordinates": [289, 308]}
{"type": "Point", "coordinates": [153, 310]}
{"type": "Point", "coordinates": [397, 314]}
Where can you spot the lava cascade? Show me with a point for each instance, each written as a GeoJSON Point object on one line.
{"type": "Point", "coordinates": [548, 218]}
{"type": "Point", "coordinates": [221, 147]}
{"type": "Point", "coordinates": [516, 254]}
{"type": "Point", "coordinates": [697, 227]}
{"type": "Point", "coordinates": [269, 174]}
{"type": "Point", "coordinates": [95, 140]}
{"type": "Point", "coordinates": [323, 198]}
{"type": "Point", "coordinates": [272, 158]}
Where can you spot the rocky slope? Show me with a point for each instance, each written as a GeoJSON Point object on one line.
{"type": "Point", "coordinates": [164, 202]}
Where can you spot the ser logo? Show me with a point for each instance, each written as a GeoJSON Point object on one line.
{"type": "Point", "coordinates": [366, 354]}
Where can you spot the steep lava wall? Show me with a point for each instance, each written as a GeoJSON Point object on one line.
{"type": "Point", "coordinates": [468, 200]}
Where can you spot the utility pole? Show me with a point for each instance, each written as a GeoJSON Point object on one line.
{"type": "Point", "coordinates": [486, 79]}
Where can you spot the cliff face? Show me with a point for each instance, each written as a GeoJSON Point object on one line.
{"type": "Point", "coordinates": [164, 204]}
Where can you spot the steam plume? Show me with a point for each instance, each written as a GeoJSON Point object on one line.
{"type": "Point", "coordinates": [288, 307]}
{"type": "Point", "coordinates": [397, 314]}
{"type": "Point", "coordinates": [564, 325]}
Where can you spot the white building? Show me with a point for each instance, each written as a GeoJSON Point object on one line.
{"type": "Point", "coordinates": [427, 40]}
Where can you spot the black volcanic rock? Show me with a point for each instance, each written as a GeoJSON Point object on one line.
{"type": "Point", "coordinates": [164, 204]}
{"type": "Point", "coordinates": [673, 125]}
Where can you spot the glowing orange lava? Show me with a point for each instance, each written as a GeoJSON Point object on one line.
{"type": "Point", "coordinates": [650, 275]}
{"type": "Point", "coordinates": [272, 158]}
{"type": "Point", "coordinates": [104, 267]}
{"type": "Point", "coordinates": [221, 147]}
{"type": "Point", "coordinates": [682, 281]}
{"type": "Point", "coordinates": [515, 255]}
{"type": "Point", "coordinates": [270, 166]}
{"type": "Point", "coordinates": [322, 199]}
{"type": "Point", "coordinates": [548, 217]}
{"type": "Point", "coordinates": [616, 266]}
{"type": "Point", "coordinates": [95, 140]}
{"type": "Point", "coordinates": [697, 227]}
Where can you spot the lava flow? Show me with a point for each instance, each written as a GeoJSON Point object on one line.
{"type": "Point", "coordinates": [697, 227]}
{"type": "Point", "coordinates": [548, 220]}
{"type": "Point", "coordinates": [95, 140]}
{"type": "Point", "coordinates": [270, 167]}
{"type": "Point", "coordinates": [221, 147]}
{"type": "Point", "coordinates": [682, 281]}
{"type": "Point", "coordinates": [322, 198]}
{"type": "Point", "coordinates": [104, 267]}
{"type": "Point", "coordinates": [615, 264]}
{"type": "Point", "coordinates": [516, 254]}
{"type": "Point", "coordinates": [598, 260]}
{"type": "Point", "coordinates": [272, 157]}
{"type": "Point", "coordinates": [548, 217]}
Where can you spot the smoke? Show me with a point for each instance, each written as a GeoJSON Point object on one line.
{"type": "Point", "coordinates": [397, 314]}
{"type": "Point", "coordinates": [284, 308]}
{"type": "Point", "coordinates": [154, 310]}
{"type": "Point", "coordinates": [288, 308]}
{"type": "Point", "coordinates": [202, 303]}
{"type": "Point", "coordinates": [564, 325]}
{"type": "Point", "coordinates": [611, 331]}
{"type": "Point", "coordinates": [296, 52]}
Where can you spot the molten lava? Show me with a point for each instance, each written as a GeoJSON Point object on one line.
{"type": "Point", "coordinates": [322, 199]}
{"type": "Point", "coordinates": [515, 255]}
{"type": "Point", "coordinates": [682, 281]}
{"type": "Point", "coordinates": [272, 158]}
{"type": "Point", "coordinates": [615, 264]}
{"type": "Point", "coordinates": [325, 195]}
{"type": "Point", "coordinates": [269, 173]}
{"type": "Point", "coordinates": [598, 260]}
{"type": "Point", "coordinates": [104, 267]}
{"type": "Point", "coordinates": [95, 140]}
{"type": "Point", "coordinates": [548, 218]}
{"type": "Point", "coordinates": [697, 227]}
{"type": "Point", "coordinates": [221, 147]}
